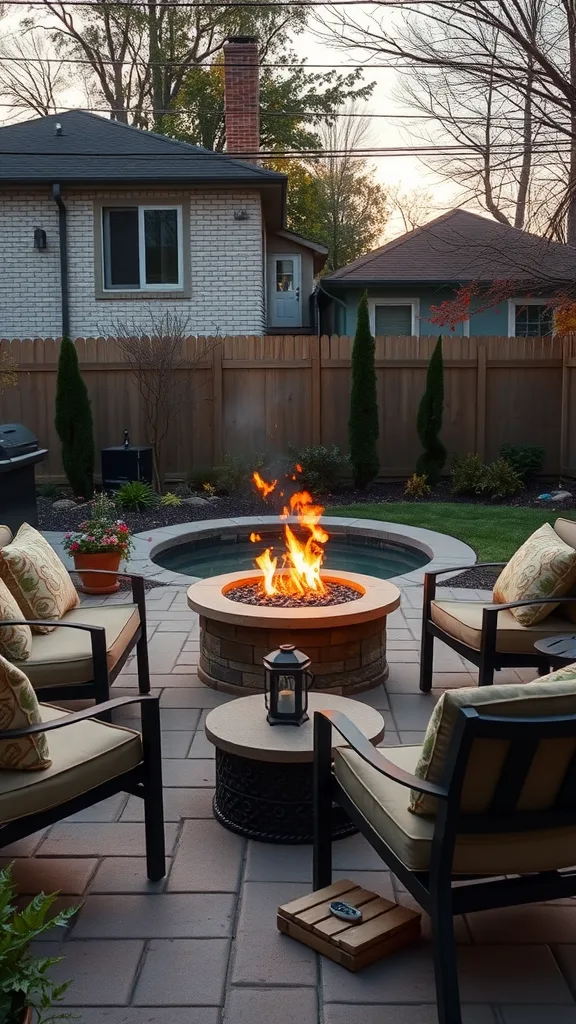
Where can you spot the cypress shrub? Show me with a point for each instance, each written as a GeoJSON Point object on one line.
{"type": "Point", "coordinates": [429, 423]}
{"type": "Point", "coordinates": [73, 422]}
{"type": "Point", "coordinates": [363, 419]}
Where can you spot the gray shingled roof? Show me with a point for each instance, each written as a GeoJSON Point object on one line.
{"type": "Point", "coordinates": [95, 149]}
{"type": "Point", "coordinates": [462, 246]}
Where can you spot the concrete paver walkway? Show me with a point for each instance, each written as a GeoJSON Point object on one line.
{"type": "Point", "coordinates": [201, 947]}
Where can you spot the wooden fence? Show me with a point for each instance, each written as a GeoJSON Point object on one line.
{"type": "Point", "coordinates": [255, 394]}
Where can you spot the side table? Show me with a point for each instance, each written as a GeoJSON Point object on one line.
{"type": "Point", "coordinates": [560, 650]}
{"type": "Point", "coordinates": [264, 772]}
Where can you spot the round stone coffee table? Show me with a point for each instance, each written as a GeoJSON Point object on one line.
{"type": "Point", "coordinates": [264, 772]}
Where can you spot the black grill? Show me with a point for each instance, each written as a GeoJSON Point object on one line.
{"type": "Point", "coordinates": [19, 453]}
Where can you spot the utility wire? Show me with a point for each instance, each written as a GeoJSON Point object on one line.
{"type": "Point", "coordinates": [236, 3]}
{"type": "Point", "coordinates": [367, 153]}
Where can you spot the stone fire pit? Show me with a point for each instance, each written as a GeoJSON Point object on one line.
{"type": "Point", "coordinates": [346, 642]}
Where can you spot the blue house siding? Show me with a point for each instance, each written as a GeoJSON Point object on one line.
{"type": "Point", "coordinates": [488, 322]}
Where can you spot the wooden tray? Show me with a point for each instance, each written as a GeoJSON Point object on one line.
{"type": "Point", "coordinates": [385, 926]}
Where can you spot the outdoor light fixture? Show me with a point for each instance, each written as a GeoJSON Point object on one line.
{"type": "Point", "coordinates": [240, 214]}
{"type": "Point", "coordinates": [287, 679]}
{"type": "Point", "coordinates": [40, 239]}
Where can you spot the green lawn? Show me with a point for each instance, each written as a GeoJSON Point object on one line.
{"type": "Point", "coordinates": [495, 532]}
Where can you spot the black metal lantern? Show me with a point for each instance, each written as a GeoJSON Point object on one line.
{"type": "Point", "coordinates": [287, 683]}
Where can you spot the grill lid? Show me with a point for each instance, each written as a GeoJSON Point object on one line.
{"type": "Point", "coordinates": [16, 440]}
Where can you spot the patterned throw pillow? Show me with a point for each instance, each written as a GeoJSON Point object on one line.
{"type": "Point", "coordinates": [15, 641]}
{"type": "Point", "coordinates": [554, 694]}
{"type": "Point", "coordinates": [37, 578]}
{"type": "Point", "coordinates": [19, 708]}
{"type": "Point", "coordinates": [543, 567]}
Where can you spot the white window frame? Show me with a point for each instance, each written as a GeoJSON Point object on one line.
{"type": "Point", "coordinates": [385, 301]}
{"type": "Point", "coordinates": [144, 287]}
{"type": "Point", "coordinates": [520, 301]}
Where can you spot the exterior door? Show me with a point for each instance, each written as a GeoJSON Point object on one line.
{"type": "Point", "coordinates": [285, 291]}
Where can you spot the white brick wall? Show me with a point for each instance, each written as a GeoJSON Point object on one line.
{"type": "Point", "coordinates": [226, 266]}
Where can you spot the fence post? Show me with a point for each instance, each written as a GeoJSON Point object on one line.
{"type": "Point", "coordinates": [316, 390]}
{"type": "Point", "coordinates": [564, 404]}
{"type": "Point", "coordinates": [217, 403]}
{"type": "Point", "coordinates": [481, 400]}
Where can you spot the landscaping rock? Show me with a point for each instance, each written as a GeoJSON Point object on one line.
{"type": "Point", "coordinates": [561, 495]}
{"type": "Point", "coordinates": [64, 503]}
{"type": "Point", "coordinates": [196, 500]}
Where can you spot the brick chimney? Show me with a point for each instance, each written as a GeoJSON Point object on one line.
{"type": "Point", "coordinates": [242, 95]}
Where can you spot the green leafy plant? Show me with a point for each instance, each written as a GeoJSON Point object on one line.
{"type": "Point", "coordinates": [429, 422]}
{"type": "Point", "coordinates": [321, 467]}
{"type": "Point", "coordinates": [101, 533]}
{"type": "Point", "coordinates": [136, 495]}
{"type": "Point", "coordinates": [499, 480]}
{"type": "Point", "coordinates": [467, 473]}
{"type": "Point", "coordinates": [73, 422]}
{"type": "Point", "coordinates": [417, 487]}
{"type": "Point", "coordinates": [24, 979]}
{"type": "Point", "coordinates": [234, 476]}
{"type": "Point", "coordinates": [50, 491]}
{"type": "Point", "coordinates": [526, 459]}
{"type": "Point", "coordinates": [170, 499]}
{"type": "Point", "coordinates": [209, 489]}
{"type": "Point", "coordinates": [198, 477]}
{"type": "Point", "coordinates": [363, 416]}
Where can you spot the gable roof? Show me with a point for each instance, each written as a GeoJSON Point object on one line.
{"type": "Point", "coordinates": [460, 246]}
{"type": "Point", "coordinates": [93, 149]}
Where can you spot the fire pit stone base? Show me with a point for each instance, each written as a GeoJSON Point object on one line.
{"type": "Point", "coordinates": [345, 659]}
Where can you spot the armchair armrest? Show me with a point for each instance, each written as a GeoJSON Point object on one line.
{"type": "Point", "coordinates": [490, 619]}
{"type": "Point", "coordinates": [431, 577]}
{"type": "Point", "coordinates": [375, 758]}
{"type": "Point", "coordinates": [79, 716]}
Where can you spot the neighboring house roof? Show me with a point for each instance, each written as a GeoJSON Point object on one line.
{"type": "Point", "coordinates": [460, 246]}
{"type": "Point", "coordinates": [95, 149]}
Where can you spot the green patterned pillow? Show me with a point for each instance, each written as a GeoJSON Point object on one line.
{"type": "Point", "coordinates": [37, 578]}
{"type": "Point", "coordinates": [543, 567]}
{"type": "Point", "coordinates": [18, 708]}
{"type": "Point", "coordinates": [554, 694]}
{"type": "Point", "coordinates": [15, 641]}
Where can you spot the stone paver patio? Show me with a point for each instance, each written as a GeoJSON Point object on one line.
{"type": "Point", "coordinates": [201, 947]}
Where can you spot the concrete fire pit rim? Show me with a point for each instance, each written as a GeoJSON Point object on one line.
{"type": "Point", "coordinates": [380, 598]}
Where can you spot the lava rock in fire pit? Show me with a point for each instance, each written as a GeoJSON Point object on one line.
{"type": "Point", "coordinates": [335, 593]}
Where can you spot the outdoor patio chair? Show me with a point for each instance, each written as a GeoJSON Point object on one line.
{"type": "Point", "coordinates": [83, 662]}
{"type": "Point", "coordinates": [488, 635]}
{"type": "Point", "coordinates": [91, 760]}
{"type": "Point", "coordinates": [497, 814]}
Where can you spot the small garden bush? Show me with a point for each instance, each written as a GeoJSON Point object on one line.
{"type": "Point", "coordinates": [322, 467]}
{"type": "Point", "coordinates": [467, 473]}
{"type": "Point", "coordinates": [136, 495]}
{"type": "Point", "coordinates": [417, 487]}
{"type": "Point", "coordinates": [198, 477]}
{"type": "Point", "coordinates": [234, 476]}
{"type": "Point", "coordinates": [170, 499]}
{"type": "Point", "coordinates": [526, 459]}
{"type": "Point", "coordinates": [500, 480]}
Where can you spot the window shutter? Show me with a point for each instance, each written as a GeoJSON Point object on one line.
{"type": "Point", "coordinates": [396, 320]}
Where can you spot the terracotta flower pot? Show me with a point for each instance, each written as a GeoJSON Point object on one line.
{"type": "Point", "coordinates": [102, 584]}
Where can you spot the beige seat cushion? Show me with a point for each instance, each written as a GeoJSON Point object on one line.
{"type": "Point", "coordinates": [384, 804]}
{"type": "Point", "coordinates": [19, 708]}
{"type": "Point", "coordinates": [463, 621]}
{"type": "Point", "coordinates": [64, 656]}
{"type": "Point", "coordinates": [36, 577]}
{"type": "Point", "coordinates": [15, 641]}
{"type": "Point", "coordinates": [84, 755]}
{"type": "Point", "coordinates": [554, 694]}
{"type": "Point", "coordinates": [566, 530]}
{"type": "Point", "coordinates": [543, 567]}
{"type": "Point", "coordinates": [6, 535]}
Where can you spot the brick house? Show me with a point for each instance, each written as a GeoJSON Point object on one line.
{"type": "Point", "coordinates": [102, 223]}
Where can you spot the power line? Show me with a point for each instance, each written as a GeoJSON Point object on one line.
{"type": "Point", "coordinates": [364, 153]}
{"type": "Point", "coordinates": [235, 3]}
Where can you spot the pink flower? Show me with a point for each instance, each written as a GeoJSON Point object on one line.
{"type": "Point", "coordinates": [75, 546]}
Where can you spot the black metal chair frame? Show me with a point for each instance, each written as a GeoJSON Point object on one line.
{"type": "Point", "coordinates": [98, 688]}
{"type": "Point", "coordinates": [488, 659]}
{"type": "Point", "coordinates": [434, 890]}
{"type": "Point", "coordinates": [144, 781]}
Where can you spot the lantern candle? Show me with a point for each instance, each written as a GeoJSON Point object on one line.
{"type": "Point", "coordinates": [286, 701]}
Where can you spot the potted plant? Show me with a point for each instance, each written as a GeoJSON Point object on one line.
{"type": "Point", "coordinates": [27, 993]}
{"type": "Point", "coordinates": [102, 543]}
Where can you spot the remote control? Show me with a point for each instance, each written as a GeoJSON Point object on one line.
{"type": "Point", "coordinates": [345, 911]}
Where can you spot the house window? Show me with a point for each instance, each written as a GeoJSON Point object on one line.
{"type": "Point", "coordinates": [532, 320]}
{"type": "Point", "coordinates": [394, 316]}
{"type": "Point", "coordinates": [142, 248]}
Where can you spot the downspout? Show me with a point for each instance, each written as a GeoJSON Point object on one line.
{"type": "Point", "coordinates": [63, 237]}
{"type": "Point", "coordinates": [330, 296]}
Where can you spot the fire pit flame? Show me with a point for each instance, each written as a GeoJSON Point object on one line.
{"type": "Point", "coordinates": [299, 573]}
